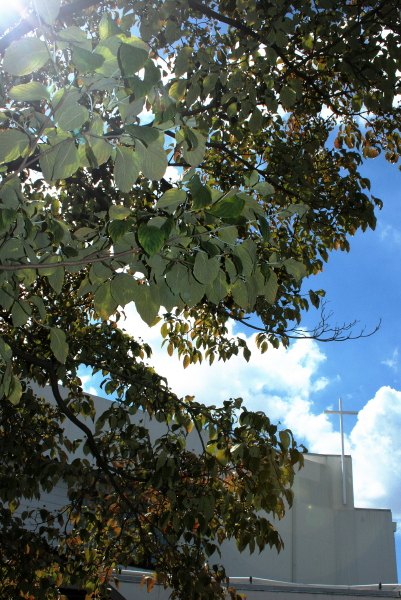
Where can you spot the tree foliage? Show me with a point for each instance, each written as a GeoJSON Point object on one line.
{"type": "Point", "coordinates": [266, 110]}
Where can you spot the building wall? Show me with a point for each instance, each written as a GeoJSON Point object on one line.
{"type": "Point", "coordinates": [325, 541]}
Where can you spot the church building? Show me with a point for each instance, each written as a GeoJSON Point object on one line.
{"type": "Point", "coordinates": [331, 548]}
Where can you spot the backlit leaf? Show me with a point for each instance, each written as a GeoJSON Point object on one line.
{"type": "Point", "coordinates": [29, 91]}
{"type": "Point", "coordinates": [48, 10]}
{"type": "Point", "coordinates": [118, 212]}
{"type": "Point", "coordinates": [16, 391]}
{"type": "Point", "coordinates": [86, 61]}
{"type": "Point", "coordinates": [146, 306]}
{"type": "Point", "coordinates": [66, 160]}
{"type": "Point", "coordinates": [126, 168]}
{"type": "Point", "coordinates": [201, 194]}
{"type": "Point", "coordinates": [171, 199]}
{"type": "Point", "coordinates": [143, 133]}
{"type": "Point", "coordinates": [58, 344]}
{"type": "Point", "coordinates": [73, 34]}
{"type": "Point", "coordinates": [104, 301]}
{"type": "Point", "coordinates": [154, 162]}
{"type": "Point", "coordinates": [25, 56]}
{"type": "Point", "coordinates": [182, 61]}
{"type": "Point", "coordinates": [229, 208]}
{"type": "Point", "coordinates": [177, 89]}
{"type": "Point", "coordinates": [131, 59]}
{"type": "Point", "coordinates": [13, 142]}
{"type": "Point", "coordinates": [194, 155]}
{"type": "Point", "coordinates": [72, 117]}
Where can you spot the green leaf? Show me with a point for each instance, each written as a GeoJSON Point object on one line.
{"type": "Point", "coordinates": [108, 27]}
{"type": "Point", "coordinates": [58, 344]}
{"type": "Point", "coordinates": [25, 56]}
{"type": "Point", "coordinates": [229, 208]}
{"type": "Point", "coordinates": [264, 228]}
{"type": "Point", "coordinates": [117, 229]}
{"type": "Point", "coordinates": [287, 97]}
{"type": "Point", "coordinates": [223, 456]}
{"type": "Point", "coordinates": [285, 439]}
{"type": "Point", "coordinates": [131, 59]}
{"type": "Point", "coordinates": [31, 91]}
{"type": "Point", "coordinates": [46, 162]}
{"type": "Point", "coordinates": [172, 199]}
{"type": "Point", "coordinates": [151, 238]}
{"type": "Point", "coordinates": [145, 304]}
{"type": "Point", "coordinates": [124, 288]}
{"type": "Point", "coordinates": [201, 194]}
{"type": "Point", "coordinates": [13, 143]}
{"type": "Point", "coordinates": [48, 10]}
{"type": "Point", "coordinates": [206, 269]}
{"type": "Point", "coordinates": [73, 117]}
{"type": "Point", "coordinates": [192, 291]}
{"type": "Point", "coordinates": [182, 62]}
{"type": "Point", "coordinates": [177, 89]}
{"type": "Point", "coordinates": [126, 168]}
{"type": "Point", "coordinates": [256, 121]}
{"type": "Point", "coordinates": [220, 285]}
{"type": "Point", "coordinates": [175, 277]}
{"type": "Point", "coordinates": [56, 279]}
{"type": "Point", "coordinates": [239, 293]}
{"type": "Point", "coordinates": [20, 313]}
{"type": "Point", "coordinates": [104, 301]}
{"type": "Point", "coordinates": [66, 160]}
{"type": "Point", "coordinates": [145, 133]}
{"type": "Point", "coordinates": [101, 148]}
{"type": "Point", "coordinates": [194, 155]}
{"type": "Point", "coordinates": [85, 61]}
{"type": "Point", "coordinates": [16, 391]}
{"type": "Point", "coordinates": [154, 162]}
{"type": "Point", "coordinates": [266, 189]}
{"type": "Point", "coordinates": [295, 268]}
{"type": "Point", "coordinates": [271, 287]}
{"type": "Point", "coordinates": [246, 262]}
{"type": "Point", "coordinates": [295, 209]}
{"type": "Point", "coordinates": [118, 212]}
{"type": "Point", "coordinates": [40, 305]}
{"type": "Point", "coordinates": [73, 34]}
{"type": "Point", "coordinates": [7, 216]}
{"type": "Point", "coordinates": [5, 350]}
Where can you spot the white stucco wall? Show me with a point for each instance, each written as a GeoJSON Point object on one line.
{"type": "Point", "coordinates": [325, 541]}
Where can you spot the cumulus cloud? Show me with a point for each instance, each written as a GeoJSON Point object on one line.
{"type": "Point", "coordinates": [282, 383]}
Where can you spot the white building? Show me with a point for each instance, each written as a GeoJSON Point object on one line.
{"type": "Point", "coordinates": [327, 543]}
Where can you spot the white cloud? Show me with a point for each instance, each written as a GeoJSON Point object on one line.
{"type": "Point", "coordinates": [393, 361]}
{"type": "Point", "coordinates": [389, 233]}
{"type": "Point", "coordinates": [284, 372]}
{"type": "Point", "coordinates": [282, 383]}
{"type": "Point", "coordinates": [173, 173]}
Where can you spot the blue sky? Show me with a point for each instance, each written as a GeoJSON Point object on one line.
{"type": "Point", "coordinates": [295, 386]}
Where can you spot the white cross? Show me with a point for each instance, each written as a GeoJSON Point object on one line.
{"type": "Point", "coordinates": [342, 412]}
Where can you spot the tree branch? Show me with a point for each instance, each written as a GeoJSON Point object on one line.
{"type": "Point", "coordinates": [69, 263]}
{"type": "Point", "coordinates": [32, 22]}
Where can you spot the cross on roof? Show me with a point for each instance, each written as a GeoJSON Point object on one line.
{"type": "Point", "coordinates": [342, 412]}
